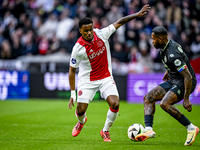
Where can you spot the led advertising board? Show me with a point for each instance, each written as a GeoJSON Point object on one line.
{"type": "Point", "coordinates": [14, 85]}
{"type": "Point", "coordinates": [140, 84]}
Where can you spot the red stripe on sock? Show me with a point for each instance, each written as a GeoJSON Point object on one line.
{"type": "Point", "coordinates": [114, 110]}
{"type": "Point", "coordinates": [79, 115]}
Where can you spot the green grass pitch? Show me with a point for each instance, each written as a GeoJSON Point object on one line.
{"type": "Point", "coordinates": [47, 125]}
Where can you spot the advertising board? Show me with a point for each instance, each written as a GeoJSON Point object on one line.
{"type": "Point", "coordinates": [14, 85]}
{"type": "Point", "coordinates": [56, 85]}
{"type": "Point", "coordinates": [140, 84]}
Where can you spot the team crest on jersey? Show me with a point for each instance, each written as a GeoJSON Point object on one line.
{"type": "Point", "coordinates": [177, 62]}
{"type": "Point", "coordinates": [80, 93]}
{"type": "Point", "coordinates": [73, 61]}
{"type": "Point", "coordinates": [100, 44]}
{"type": "Point", "coordinates": [171, 55]}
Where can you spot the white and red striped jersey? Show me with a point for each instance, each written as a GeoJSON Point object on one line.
{"type": "Point", "coordinates": [93, 58]}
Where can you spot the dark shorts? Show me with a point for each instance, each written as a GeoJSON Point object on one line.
{"type": "Point", "coordinates": [178, 89]}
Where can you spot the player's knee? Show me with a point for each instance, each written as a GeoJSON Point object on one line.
{"type": "Point", "coordinates": [80, 112]}
{"type": "Point", "coordinates": [146, 99]}
{"type": "Point", "coordinates": [163, 105]}
{"type": "Point", "coordinates": [115, 104]}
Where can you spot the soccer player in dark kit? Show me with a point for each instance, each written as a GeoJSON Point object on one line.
{"type": "Point", "coordinates": [180, 82]}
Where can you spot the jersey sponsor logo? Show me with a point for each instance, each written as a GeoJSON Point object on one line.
{"type": "Point", "coordinates": [73, 61]}
{"type": "Point", "coordinates": [99, 52]}
{"type": "Point", "coordinates": [177, 62]}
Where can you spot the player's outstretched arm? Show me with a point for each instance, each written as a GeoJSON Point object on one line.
{"type": "Point", "coordinates": [188, 85]}
{"type": "Point", "coordinates": [128, 18]}
{"type": "Point", "coordinates": [72, 72]}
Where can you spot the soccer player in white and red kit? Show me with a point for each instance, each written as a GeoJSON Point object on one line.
{"type": "Point", "coordinates": [91, 54]}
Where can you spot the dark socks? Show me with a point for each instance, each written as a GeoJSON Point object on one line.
{"type": "Point", "coordinates": [148, 120]}
{"type": "Point", "coordinates": [184, 121]}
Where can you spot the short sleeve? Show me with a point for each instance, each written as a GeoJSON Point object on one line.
{"type": "Point", "coordinates": [75, 56]}
{"type": "Point", "coordinates": [106, 32]}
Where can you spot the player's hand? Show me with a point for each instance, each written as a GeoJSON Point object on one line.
{"type": "Point", "coordinates": [187, 105]}
{"type": "Point", "coordinates": [72, 99]}
{"type": "Point", "coordinates": [71, 103]}
{"type": "Point", "coordinates": [144, 10]}
{"type": "Point", "coordinates": [166, 76]}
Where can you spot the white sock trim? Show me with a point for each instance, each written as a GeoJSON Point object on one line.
{"type": "Point", "coordinates": [190, 127]}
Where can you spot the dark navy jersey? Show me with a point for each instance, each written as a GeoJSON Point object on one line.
{"type": "Point", "coordinates": [175, 60]}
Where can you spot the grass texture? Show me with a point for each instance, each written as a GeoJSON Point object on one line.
{"type": "Point", "coordinates": [47, 125]}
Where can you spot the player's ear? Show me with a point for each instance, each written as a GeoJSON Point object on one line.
{"type": "Point", "coordinates": [160, 38]}
{"type": "Point", "coordinates": [80, 31]}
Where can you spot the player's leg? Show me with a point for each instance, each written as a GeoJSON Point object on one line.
{"type": "Point", "coordinates": [110, 94]}
{"type": "Point", "coordinates": [167, 104]}
{"type": "Point", "coordinates": [113, 102]}
{"type": "Point", "coordinates": [81, 112]}
{"type": "Point", "coordinates": [150, 99]}
{"type": "Point", "coordinates": [84, 97]}
{"type": "Point", "coordinates": [81, 116]}
{"type": "Point", "coordinates": [112, 113]}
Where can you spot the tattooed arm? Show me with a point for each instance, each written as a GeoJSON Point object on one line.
{"type": "Point", "coordinates": [188, 85]}
{"type": "Point", "coordinates": [128, 18]}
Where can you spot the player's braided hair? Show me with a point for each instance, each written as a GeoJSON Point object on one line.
{"type": "Point", "coordinates": [159, 30]}
{"type": "Point", "coordinates": [84, 21]}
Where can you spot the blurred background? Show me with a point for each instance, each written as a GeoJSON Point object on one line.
{"type": "Point", "coordinates": [37, 36]}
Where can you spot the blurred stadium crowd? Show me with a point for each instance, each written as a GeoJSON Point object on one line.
{"type": "Point", "coordinates": [44, 27]}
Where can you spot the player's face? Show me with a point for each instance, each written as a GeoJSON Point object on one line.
{"type": "Point", "coordinates": [87, 32]}
{"type": "Point", "coordinates": [156, 40]}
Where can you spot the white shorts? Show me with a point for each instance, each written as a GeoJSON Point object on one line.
{"type": "Point", "coordinates": [87, 91]}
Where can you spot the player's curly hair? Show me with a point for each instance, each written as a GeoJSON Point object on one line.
{"type": "Point", "coordinates": [84, 21]}
{"type": "Point", "coordinates": [159, 30]}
